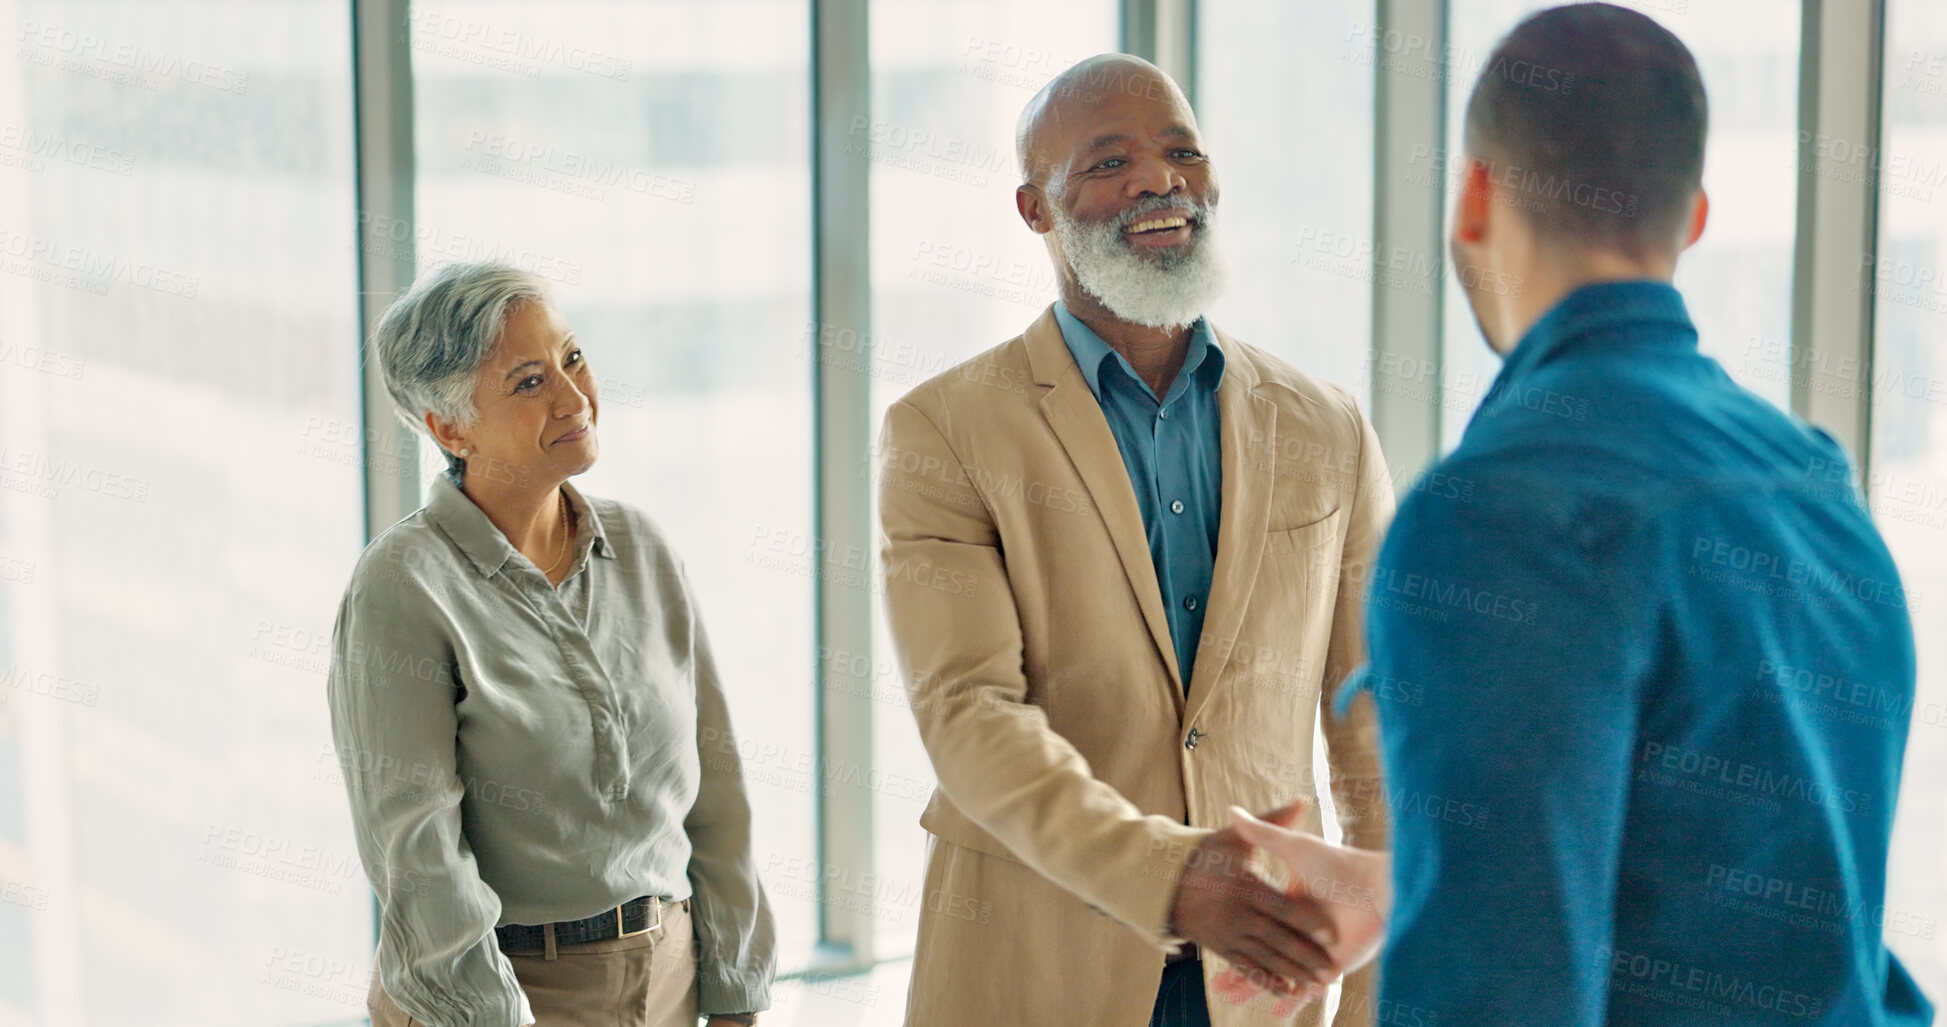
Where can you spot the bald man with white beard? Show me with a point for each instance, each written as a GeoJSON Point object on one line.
{"type": "Point", "coordinates": [1120, 597]}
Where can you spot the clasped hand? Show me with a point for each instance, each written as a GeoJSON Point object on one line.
{"type": "Point", "coordinates": [1328, 920]}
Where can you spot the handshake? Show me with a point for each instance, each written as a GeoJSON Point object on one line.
{"type": "Point", "coordinates": [1293, 939]}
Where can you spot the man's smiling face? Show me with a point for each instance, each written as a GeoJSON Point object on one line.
{"type": "Point", "coordinates": [1118, 179]}
{"type": "Point", "coordinates": [1130, 157]}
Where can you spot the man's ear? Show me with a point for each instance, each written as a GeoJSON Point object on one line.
{"type": "Point", "coordinates": [1472, 205]}
{"type": "Point", "coordinates": [1033, 205]}
{"type": "Point", "coordinates": [1699, 215]}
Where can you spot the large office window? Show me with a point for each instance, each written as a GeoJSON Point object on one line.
{"type": "Point", "coordinates": [1907, 485]}
{"type": "Point", "coordinates": [651, 161]}
{"type": "Point", "coordinates": [180, 500]}
{"type": "Point", "coordinates": [1737, 280]}
{"type": "Point", "coordinates": [182, 445]}
{"type": "Point", "coordinates": [954, 272]}
{"type": "Point", "coordinates": [1285, 100]}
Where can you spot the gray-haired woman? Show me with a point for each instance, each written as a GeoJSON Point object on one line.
{"type": "Point", "coordinates": [543, 785]}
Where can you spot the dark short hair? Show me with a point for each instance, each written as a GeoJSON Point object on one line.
{"type": "Point", "coordinates": [1593, 118]}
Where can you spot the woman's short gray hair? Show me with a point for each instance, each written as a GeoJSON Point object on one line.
{"type": "Point", "coordinates": [433, 339]}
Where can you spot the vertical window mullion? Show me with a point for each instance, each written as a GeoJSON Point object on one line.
{"type": "Point", "coordinates": [1840, 85]}
{"type": "Point", "coordinates": [1409, 112]}
{"type": "Point", "coordinates": [842, 305]}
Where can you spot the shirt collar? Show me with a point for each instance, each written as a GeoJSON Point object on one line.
{"type": "Point", "coordinates": [483, 544]}
{"type": "Point", "coordinates": [1204, 360]}
{"type": "Point", "coordinates": [1592, 308]}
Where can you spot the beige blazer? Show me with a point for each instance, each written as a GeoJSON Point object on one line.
{"type": "Point", "coordinates": [1074, 775]}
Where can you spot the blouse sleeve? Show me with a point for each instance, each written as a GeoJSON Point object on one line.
{"type": "Point", "coordinates": [394, 724]}
{"type": "Point", "coordinates": [736, 937]}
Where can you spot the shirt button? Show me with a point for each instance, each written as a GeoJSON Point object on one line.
{"type": "Point", "coordinates": [1191, 741]}
{"type": "Point", "coordinates": [1189, 602]}
{"type": "Point", "coordinates": [1176, 507]}
{"type": "Point", "coordinates": [1163, 413]}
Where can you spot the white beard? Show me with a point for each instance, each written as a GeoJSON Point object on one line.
{"type": "Point", "coordinates": [1168, 291]}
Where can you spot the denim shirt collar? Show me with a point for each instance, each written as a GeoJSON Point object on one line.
{"type": "Point", "coordinates": [1204, 360]}
{"type": "Point", "coordinates": [1592, 308]}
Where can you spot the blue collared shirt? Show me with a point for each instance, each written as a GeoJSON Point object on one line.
{"type": "Point", "coordinates": [1174, 457]}
{"type": "Point", "coordinates": [1644, 671]}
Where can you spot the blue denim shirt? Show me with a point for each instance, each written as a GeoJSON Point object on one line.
{"type": "Point", "coordinates": [1174, 457]}
{"type": "Point", "coordinates": [1644, 671]}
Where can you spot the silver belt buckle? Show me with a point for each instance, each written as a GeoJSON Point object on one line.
{"type": "Point", "coordinates": [656, 903]}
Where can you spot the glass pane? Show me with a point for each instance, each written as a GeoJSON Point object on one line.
{"type": "Point", "coordinates": [180, 506]}
{"type": "Point", "coordinates": [1275, 81]}
{"type": "Point", "coordinates": [1737, 280]}
{"type": "Point", "coordinates": [652, 161]}
{"type": "Point", "coordinates": [1908, 481]}
{"type": "Point", "coordinates": [954, 273]}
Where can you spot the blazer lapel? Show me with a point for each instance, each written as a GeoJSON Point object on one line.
{"type": "Point", "coordinates": [1076, 417]}
{"type": "Point", "coordinates": [1248, 426]}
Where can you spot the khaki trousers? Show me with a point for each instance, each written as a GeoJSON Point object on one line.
{"type": "Point", "coordinates": [645, 981]}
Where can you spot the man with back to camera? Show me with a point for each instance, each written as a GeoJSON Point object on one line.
{"type": "Point", "coordinates": [1661, 641]}
{"type": "Point", "coordinates": [1112, 550]}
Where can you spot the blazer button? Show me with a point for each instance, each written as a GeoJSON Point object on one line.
{"type": "Point", "coordinates": [1191, 741]}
